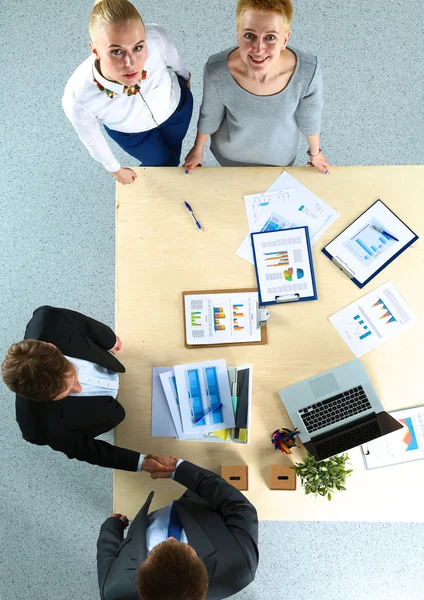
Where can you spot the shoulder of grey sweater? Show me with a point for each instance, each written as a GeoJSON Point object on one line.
{"type": "Point", "coordinates": [305, 57]}
{"type": "Point", "coordinates": [308, 68]}
{"type": "Point", "coordinates": [217, 64]}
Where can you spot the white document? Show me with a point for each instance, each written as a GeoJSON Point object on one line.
{"type": "Point", "coordinates": [373, 319]}
{"type": "Point", "coordinates": [255, 204]}
{"type": "Point", "coordinates": [162, 421]}
{"type": "Point", "coordinates": [318, 212]}
{"type": "Point", "coordinates": [277, 215]}
{"type": "Point", "coordinates": [362, 250]}
{"type": "Point", "coordinates": [403, 445]}
{"type": "Point", "coordinates": [202, 387]}
{"type": "Point", "coordinates": [222, 318]}
{"type": "Point", "coordinates": [170, 389]}
{"type": "Point", "coordinates": [283, 265]}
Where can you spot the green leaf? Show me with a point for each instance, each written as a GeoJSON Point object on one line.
{"type": "Point", "coordinates": [329, 496]}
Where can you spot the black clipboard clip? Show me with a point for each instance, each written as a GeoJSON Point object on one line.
{"type": "Point", "coordinates": [343, 267]}
{"type": "Point", "coordinates": [287, 298]}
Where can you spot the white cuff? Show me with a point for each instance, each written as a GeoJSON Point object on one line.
{"type": "Point", "coordinates": [176, 466]}
{"type": "Point", "coordinates": [140, 461]}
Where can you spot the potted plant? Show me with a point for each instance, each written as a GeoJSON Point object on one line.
{"type": "Point", "coordinates": [324, 477]}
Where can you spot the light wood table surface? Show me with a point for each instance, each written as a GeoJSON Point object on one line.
{"type": "Point", "coordinates": [160, 253]}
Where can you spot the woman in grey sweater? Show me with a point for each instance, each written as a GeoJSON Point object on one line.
{"type": "Point", "coordinates": [261, 96]}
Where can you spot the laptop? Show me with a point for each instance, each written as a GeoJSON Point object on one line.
{"type": "Point", "coordinates": [337, 410]}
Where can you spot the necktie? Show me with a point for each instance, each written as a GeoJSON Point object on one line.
{"type": "Point", "coordinates": [174, 527]}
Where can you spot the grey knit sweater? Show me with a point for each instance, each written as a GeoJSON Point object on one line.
{"type": "Point", "coordinates": [247, 129]}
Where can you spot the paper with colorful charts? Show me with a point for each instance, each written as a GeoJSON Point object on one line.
{"type": "Point", "coordinates": [221, 318]}
{"type": "Point", "coordinates": [403, 445]}
{"type": "Point", "coordinates": [370, 242]}
{"type": "Point", "coordinates": [373, 319]}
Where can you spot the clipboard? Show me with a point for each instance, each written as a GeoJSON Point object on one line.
{"type": "Point", "coordinates": [289, 275]}
{"type": "Point", "coordinates": [262, 327]}
{"type": "Point", "coordinates": [353, 266]}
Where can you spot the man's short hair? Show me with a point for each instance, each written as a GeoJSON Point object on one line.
{"type": "Point", "coordinates": [282, 7]}
{"type": "Point", "coordinates": [35, 370]}
{"type": "Point", "coordinates": [171, 572]}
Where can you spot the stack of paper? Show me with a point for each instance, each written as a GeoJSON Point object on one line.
{"type": "Point", "coordinates": [198, 397]}
{"type": "Point", "coordinates": [287, 203]}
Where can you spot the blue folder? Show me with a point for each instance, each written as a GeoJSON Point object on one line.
{"type": "Point", "coordinates": [284, 298]}
{"type": "Point", "coordinates": [377, 271]}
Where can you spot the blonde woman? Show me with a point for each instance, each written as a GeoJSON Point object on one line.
{"type": "Point", "coordinates": [260, 97]}
{"type": "Point", "coordinates": [136, 85]}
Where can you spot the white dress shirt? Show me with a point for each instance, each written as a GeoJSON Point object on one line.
{"type": "Point", "coordinates": [158, 523]}
{"type": "Point", "coordinates": [88, 108]}
{"type": "Point", "coordinates": [96, 380]}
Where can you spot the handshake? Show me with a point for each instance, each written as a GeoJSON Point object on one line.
{"type": "Point", "coordinates": [159, 467]}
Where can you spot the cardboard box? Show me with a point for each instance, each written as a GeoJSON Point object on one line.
{"type": "Point", "coordinates": [237, 476]}
{"type": "Point", "coordinates": [282, 477]}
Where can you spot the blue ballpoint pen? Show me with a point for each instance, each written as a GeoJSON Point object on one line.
{"type": "Point", "coordinates": [386, 233]}
{"type": "Point", "coordinates": [208, 413]}
{"type": "Point", "coordinates": [193, 215]}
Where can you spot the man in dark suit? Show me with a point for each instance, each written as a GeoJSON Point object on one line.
{"type": "Point", "coordinates": [204, 545]}
{"type": "Point", "coordinates": [66, 380]}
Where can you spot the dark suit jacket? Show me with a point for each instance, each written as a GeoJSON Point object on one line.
{"type": "Point", "coordinates": [220, 524]}
{"type": "Point", "coordinates": [70, 425]}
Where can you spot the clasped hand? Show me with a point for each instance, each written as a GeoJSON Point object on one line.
{"type": "Point", "coordinates": [159, 467]}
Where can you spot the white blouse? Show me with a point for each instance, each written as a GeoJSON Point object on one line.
{"type": "Point", "coordinates": [87, 107]}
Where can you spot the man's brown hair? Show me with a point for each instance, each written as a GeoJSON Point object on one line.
{"type": "Point", "coordinates": [172, 572]}
{"type": "Point", "coordinates": [35, 369]}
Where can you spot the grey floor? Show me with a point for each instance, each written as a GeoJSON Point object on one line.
{"type": "Point", "coordinates": [57, 234]}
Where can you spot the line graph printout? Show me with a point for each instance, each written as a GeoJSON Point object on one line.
{"type": "Point", "coordinates": [373, 319]}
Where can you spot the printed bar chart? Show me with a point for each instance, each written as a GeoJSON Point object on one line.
{"type": "Point", "coordinates": [219, 317]}
{"type": "Point", "coordinates": [278, 259]}
{"type": "Point", "coordinates": [362, 330]}
{"type": "Point", "coordinates": [368, 243]}
{"type": "Point", "coordinates": [237, 312]}
{"type": "Point", "coordinates": [195, 319]}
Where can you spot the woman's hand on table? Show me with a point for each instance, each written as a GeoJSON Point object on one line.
{"type": "Point", "coordinates": [124, 175]}
{"type": "Point", "coordinates": [320, 162]}
{"type": "Point", "coordinates": [193, 160]}
{"type": "Point", "coordinates": [159, 466]}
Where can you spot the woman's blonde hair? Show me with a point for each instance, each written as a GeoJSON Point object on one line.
{"type": "Point", "coordinates": [282, 7]}
{"type": "Point", "coordinates": [112, 12]}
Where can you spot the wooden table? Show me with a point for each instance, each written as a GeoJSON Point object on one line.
{"type": "Point", "coordinates": [160, 253]}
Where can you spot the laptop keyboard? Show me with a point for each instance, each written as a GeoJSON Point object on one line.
{"type": "Point", "coordinates": [347, 440]}
{"type": "Point", "coordinates": [335, 409]}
